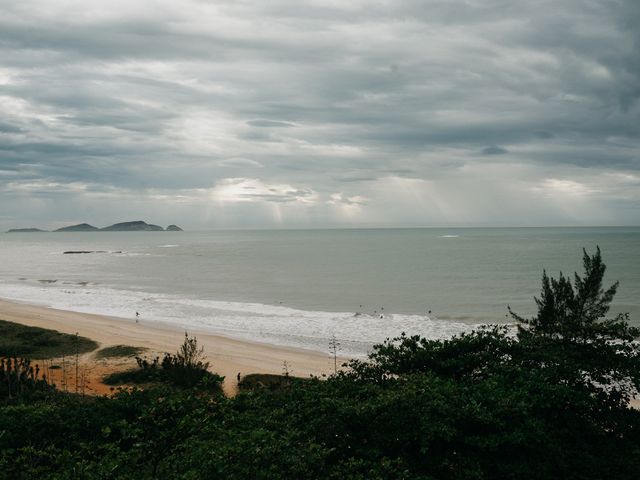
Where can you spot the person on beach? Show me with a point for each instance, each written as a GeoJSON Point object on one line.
{"type": "Point", "coordinates": [137, 317]}
{"type": "Point", "coordinates": [238, 377]}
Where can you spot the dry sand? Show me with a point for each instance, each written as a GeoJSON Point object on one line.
{"type": "Point", "coordinates": [228, 356]}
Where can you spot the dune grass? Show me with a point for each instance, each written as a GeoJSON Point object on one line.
{"type": "Point", "coordinates": [18, 340]}
{"type": "Point", "coordinates": [119, 351]}
{"type": "Point", "coordinates": [132, 376]}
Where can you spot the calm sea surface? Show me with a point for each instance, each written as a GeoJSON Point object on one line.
{"type": "Point", "coordinates": [298, 288]}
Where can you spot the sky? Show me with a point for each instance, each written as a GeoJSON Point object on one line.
{"type": "Point", "coordinates": [309, 113]}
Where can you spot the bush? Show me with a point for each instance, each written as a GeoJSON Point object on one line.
{"type": "Point", "coordinates": [185, 369]}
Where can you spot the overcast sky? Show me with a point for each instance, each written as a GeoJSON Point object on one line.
{"type": "Point", "coordinates": [224, 114]}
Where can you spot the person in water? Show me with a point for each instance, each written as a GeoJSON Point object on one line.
{"type": "Point", "coordinates": [137, 317]}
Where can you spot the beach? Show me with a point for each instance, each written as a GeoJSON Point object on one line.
{"type": "Point", "coordinates": [227, 356]}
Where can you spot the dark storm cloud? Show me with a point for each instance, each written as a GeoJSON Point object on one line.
{"type": "Point", "coordinates": [494, 150]}
{"type": "Point", "coordinates": [7, 128]}
{"type": "Point", "coordinates": [312, 107]}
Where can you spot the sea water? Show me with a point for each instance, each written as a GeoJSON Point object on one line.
{"type": "Point", "coordinates": [300, 287]}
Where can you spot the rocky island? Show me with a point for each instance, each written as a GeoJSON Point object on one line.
{"type": "Point", "coordinates": [135, 226]}
{"type": "Point", "coordinates": [82, 227]}
{"type": "Point", "coordinates": [25, 230]}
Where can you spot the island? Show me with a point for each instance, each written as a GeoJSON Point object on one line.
{"type": "Point", "coordinates": [135, 226]}
{"type": "Point", "coordinates": [81, 227]}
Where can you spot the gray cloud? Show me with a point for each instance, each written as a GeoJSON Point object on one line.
{"type": "Point", "coordinates": [269, 123]}
{"type": "Point", "coordinates": [494, 150]}
{"type": "Point", "coordinates": [160, 106]}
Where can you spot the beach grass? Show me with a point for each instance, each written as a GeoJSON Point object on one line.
{"type": "Point", "coordinates": [119, 351]}
{"type": "Point", "coordinates": [132, 376]}
{"type": "Point", "coordinates": [18, 340]}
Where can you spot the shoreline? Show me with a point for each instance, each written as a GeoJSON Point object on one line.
{"type": "Point", "coordinates": [227, 356]}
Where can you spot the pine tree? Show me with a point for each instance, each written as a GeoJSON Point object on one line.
{"type": "Point", "coordinates": [576, 312]}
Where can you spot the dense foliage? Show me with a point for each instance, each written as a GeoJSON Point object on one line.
{"type": "Point", "coordinates": [21, 380]}
{"type": "Point", "coordinates": [539, 403]}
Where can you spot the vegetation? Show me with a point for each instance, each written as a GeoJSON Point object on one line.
{"type": "Point", "coordinates": [132, 376]}
{"type": "Point", "coordinates": [577, 312]}
{"type": "Point", "coordinates": [259, 381]}
{"type": "Point", "coordinates": [21, 380]}
{"type": "Point", "coordinates": [119, 351]}
{"type": "Point", "coordinates": [185, 369]}
{"type": "Point", "coordinates": [18, 340]}
{"type": "Point", "coordinates": [547, 401]}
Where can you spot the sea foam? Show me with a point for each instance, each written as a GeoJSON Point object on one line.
{"type": "Point", "coordinates": [272, 324]}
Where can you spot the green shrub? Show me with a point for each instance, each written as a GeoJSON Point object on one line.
{"type": "Point", "coordinates": [185, 369]}
{"type": "Point", "coordinates": [118, 351]}
{"type": "Point", "coordinates": [17, 340]}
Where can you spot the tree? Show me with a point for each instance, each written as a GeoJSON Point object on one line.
{"type": "Point", "coordinates": [571, 340]}
{"type": "Point", "coordinates": [190, 355]}
{"type": "Point", "coordinates": [577, 312]}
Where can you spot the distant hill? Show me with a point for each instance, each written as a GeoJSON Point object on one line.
{"type": "Point", "coordinates": [137, 226]}
{"type": "Point", "coordinates": [25, 230]}
{"type": "Point", "coordinates": [81, 227]}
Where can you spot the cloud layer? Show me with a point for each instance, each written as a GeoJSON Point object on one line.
{"type": "Point", "coordinates": [320, 113]}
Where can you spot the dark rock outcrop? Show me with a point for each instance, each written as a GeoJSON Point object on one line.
{"type": "Point", "coordinates": [174, 228]}
{"type": "Point", "coordinates": [25, 230]}
{"type": "Point", "coordinates": [78, 252]}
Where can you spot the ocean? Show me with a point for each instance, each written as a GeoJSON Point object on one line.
{"type": "Point", "coordinates": [298, 288]}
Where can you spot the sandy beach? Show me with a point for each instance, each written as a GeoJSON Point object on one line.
{"type": "Point", "coordinates": [228, 356]}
